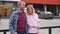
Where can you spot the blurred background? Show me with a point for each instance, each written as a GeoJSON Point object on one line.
{"type": "Point", "coordinates": [47, 10]}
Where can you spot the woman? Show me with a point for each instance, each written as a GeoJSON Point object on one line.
{"type": "Point", "coordinates": [33, 20]}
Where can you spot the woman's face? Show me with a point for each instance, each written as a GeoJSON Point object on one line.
{"type": "Point", "coordinates": [29, 10]}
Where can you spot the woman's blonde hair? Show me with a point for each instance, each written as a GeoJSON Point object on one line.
{"type": "Point", "coordinates": [31, 6]}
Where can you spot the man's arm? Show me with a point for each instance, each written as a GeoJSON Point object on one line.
{"type": "Point", "coordinates": [11, 22]}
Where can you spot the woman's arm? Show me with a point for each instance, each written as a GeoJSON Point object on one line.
{"type": "Point", "coordinates": [38, 21]}
{"type": "Point", "coordinates": [34, 25]}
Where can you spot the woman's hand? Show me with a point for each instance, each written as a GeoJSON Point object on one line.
{"type": "Point", "coordinates": [35, 27]}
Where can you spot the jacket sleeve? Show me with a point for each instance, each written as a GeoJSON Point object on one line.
{"type": "Point", "coordinates": [11, 22]}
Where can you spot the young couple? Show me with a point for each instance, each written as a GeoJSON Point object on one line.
{"type": "Point", "coordinates": [24, 22]}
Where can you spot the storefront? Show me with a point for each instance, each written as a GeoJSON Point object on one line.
{"type": "Point", "coordinates": [42, 5]}
{"type": "Point", "coordinates": [46, 5]}
{"type": "Point", "coordinates": [8, 6]}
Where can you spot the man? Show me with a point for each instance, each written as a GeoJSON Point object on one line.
{"type": "Point", "coordinates": [18, 20]}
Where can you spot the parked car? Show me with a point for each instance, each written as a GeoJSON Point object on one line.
{"type": "Point", "coordinates": [46, 15]}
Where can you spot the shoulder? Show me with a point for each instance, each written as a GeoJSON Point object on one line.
{"type": "Point", "coordinates": [15, 12]}
{"type": "Point", "coordinates": [36, 14]}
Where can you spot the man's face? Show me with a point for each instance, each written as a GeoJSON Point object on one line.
{"type": "Point", "coordinates": [21, 6]}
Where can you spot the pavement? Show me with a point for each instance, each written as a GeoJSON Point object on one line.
{"type": "Point", "coordinates": [4, 24]}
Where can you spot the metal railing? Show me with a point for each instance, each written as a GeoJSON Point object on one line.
{"type": "Point", "coordinates": [49, 29]}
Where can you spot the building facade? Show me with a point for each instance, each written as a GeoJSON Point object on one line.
{"type": "Point", "coordinates": [42, 5]}
{"type": "Point", "coordinates": [46, 5]}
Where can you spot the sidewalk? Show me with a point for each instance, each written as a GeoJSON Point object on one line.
{"type": "Point", "coordinates": [56, 17]}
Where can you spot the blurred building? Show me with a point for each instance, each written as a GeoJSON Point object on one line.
{"type": "Point", "coordinates": [5, 10]}
{"type": "Point", "coordinates": [46, 5]}
{"type": "Point", "coordinates": [42, 5]}
{"type": "Point", "coordinates": [7, 7]}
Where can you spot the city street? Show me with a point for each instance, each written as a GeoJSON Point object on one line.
{"type": "Point", "coordinates": [44, 8]}
{"type": "Point", "coordinates": [4, 24]}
